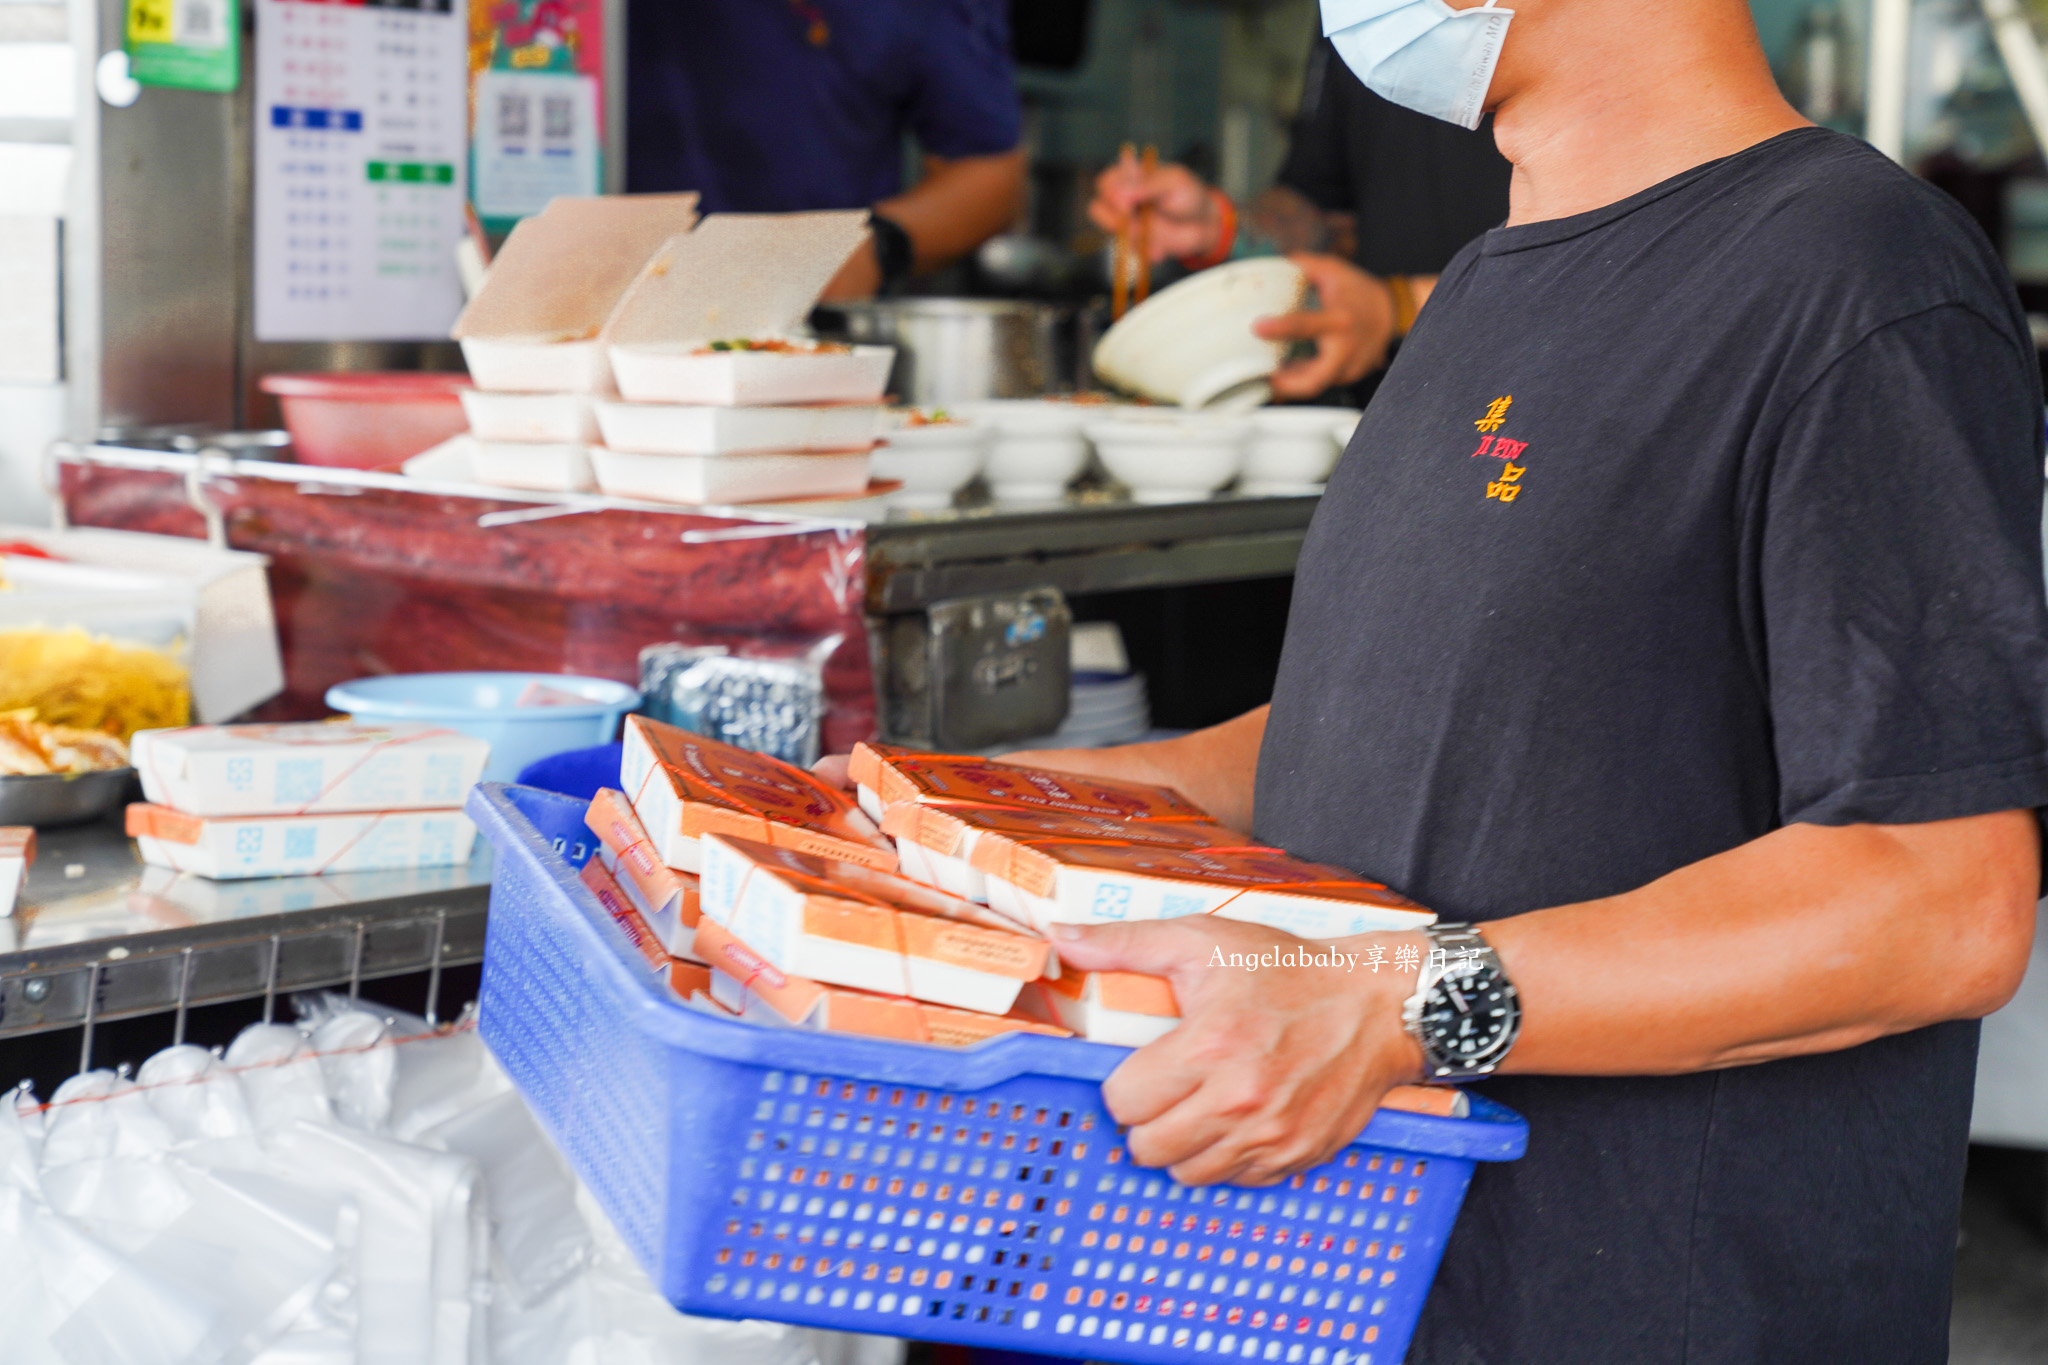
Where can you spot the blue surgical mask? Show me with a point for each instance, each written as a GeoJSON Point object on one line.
{"type": "Point", "coordinates": [1421, 54]}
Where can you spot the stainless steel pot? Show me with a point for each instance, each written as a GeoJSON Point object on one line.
{"type": "Point", "coordinates": [956, 350]}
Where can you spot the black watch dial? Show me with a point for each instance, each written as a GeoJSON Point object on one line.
{"type": "Point", "coordinates": [1468, 1018]}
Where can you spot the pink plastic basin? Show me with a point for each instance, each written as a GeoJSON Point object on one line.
{"type": "Point", "coordinates": [364, 420]}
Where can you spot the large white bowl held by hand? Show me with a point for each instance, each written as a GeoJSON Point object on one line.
{"type": "Point", "coordinates": [1171, 457]}
{"type": "Point", "coordinates": [1192, 343]}
{"type": "Point", "coordinates": [934, 458]}
{"type": "Point", "coordinates": [1293, 449]}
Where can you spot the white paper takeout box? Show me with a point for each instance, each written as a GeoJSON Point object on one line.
{"type": "Point", "coordinates": [551, 467]}
{"type": "Point", "coordinates": [691, 374]}
{"type": "Point", "coordinates": [806, 916]}
{"type": "Point", "coordinates": [701, 479]}
{"type": "Point", "coordinates": [741, 277]}
{"type": "Point", "coordinates": [306, 767]}
{"type": "Point", "coordinates": [666, 899]}
{"type": "Point", "coordinates": [701, 429]}
{"type": "Point", "coordinates": [1120, 1008]}
{"type": "Point", "coordinates": [234, 846]}
{"type": "Point", "coordinates": [559, 418]}
{"type": "Point", "coordinates": [538, 324]}
{"type": "Point", "coordinates": [17, 851]}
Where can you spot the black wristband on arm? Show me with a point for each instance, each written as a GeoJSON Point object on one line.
{"type": "Point", "coordinates": [894, 252]}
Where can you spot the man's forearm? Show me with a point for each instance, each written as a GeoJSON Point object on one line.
{"type": "Point", "coordinates": [1807, 940]}
{"type": "Point", "coordinates": [1214, 768]}
{"type": "Point", "coordinates": [960, 204]}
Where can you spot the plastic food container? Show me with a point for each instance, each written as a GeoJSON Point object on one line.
{"type": "Point", "coordinates": [561, 711]}
{"type": "Point", "coordinates": [976, 1195]}
{"type": "Point", "coordinates": [365, 420]}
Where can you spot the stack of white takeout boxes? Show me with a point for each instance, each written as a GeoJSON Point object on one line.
{"type": "Point", "coordinates": [536, 336]}
{"type": "Point", "coordinates": [618, 344]}
{"type": "Point", "coordinates": [721, 400]}
{"type": "Point", "coordinates": [228, 801]}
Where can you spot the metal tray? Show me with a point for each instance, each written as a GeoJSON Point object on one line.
{"type": "Point", "coordinates": [52, 799]}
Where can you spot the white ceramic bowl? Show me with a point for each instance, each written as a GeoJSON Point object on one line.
{"type": "Point", "coordinates": [1038, 446]}
{"type": "Point", "coordinates": [1192, 343]}
{"type": "Point", "coordinates": [1293, 449]}
{"type": "Point", "coordinates": [934, 462]}
{"type": "Point", "coordinates": [1171, 457]}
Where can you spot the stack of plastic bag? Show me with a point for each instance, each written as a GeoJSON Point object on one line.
{"type": "Point", "coordinates": [356, 1190]}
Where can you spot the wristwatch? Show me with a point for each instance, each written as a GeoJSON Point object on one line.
{"type": "Point", "coordinates": [1464, 1012]}
{"type": "Point", "coordinates": [895, 253]}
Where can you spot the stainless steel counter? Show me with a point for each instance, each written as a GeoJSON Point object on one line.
{"type": "Point", "coordinates": [98, 936]}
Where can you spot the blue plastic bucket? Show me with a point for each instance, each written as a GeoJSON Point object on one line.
{"type": "Point", "coordinates": [486, 705]}
{"type": "Point", "coordinates": [978, 1195]}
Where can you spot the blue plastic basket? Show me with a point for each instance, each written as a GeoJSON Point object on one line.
{"type": "Point", "coordinates": [976, 1195]}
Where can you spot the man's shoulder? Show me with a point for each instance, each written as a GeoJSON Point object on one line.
{"type": "Point", "coordinates": [1824, 214]}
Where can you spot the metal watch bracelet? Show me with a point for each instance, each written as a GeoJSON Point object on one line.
{"type": "Point", "coordinates": [1459, 953]}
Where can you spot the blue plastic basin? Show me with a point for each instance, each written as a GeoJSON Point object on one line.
{"type": "Point", "coordinates": [484, 705]}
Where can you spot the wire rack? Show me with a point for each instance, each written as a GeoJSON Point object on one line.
{"type": "Point", "coordinates": [85, 951]}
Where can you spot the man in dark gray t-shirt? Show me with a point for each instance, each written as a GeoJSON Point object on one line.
{"type": "Point", "coordinates": [1675, 619]}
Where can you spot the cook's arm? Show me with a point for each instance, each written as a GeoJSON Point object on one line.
{"type": "Point", "coordinates": [959, 204]}
{"type": "Point", "coordinates": [1809, 939]}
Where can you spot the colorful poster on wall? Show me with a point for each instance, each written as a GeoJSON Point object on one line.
{"type": "Point", "coordinates": [361, 175]}
{"type": "Point", "coordinates": [185, 44]}
{"type": "Point", "coordinates": [536, 104]}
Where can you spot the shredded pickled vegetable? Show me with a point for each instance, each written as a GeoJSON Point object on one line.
{"type": "Point", "coordinates": [73, 680]}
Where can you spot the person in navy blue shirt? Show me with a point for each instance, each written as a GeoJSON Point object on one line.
{"type": "Point", "coordinates": [773, 106]}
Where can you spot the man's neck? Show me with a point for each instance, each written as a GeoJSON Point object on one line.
{"type": "Point", "coordinates": [1622, 117]}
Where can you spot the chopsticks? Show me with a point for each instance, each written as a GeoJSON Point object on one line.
{"type": "Point", "coordinates": [1144, 289]}
{"type": "Point", "coordinates": [1133, 238]}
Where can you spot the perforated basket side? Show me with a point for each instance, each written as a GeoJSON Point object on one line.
{"type": "Point", "coordinates": [599, 1087]}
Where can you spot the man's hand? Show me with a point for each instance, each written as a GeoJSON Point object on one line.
{"type": "Point", "coordinates": [1186, 219]}
{"type": "Point", "coordinates": [1351, 330]}
{"type": "Point", "coordinates": [1272, 1070]}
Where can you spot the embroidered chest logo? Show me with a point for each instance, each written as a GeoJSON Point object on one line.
{"type": "Point", "coordinates": [1508, 486]}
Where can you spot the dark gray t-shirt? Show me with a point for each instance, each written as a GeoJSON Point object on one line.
{"type": "Point", "coordinates": [1706, 512]}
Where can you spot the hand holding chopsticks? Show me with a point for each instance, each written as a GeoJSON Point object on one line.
{"type": "Point", "coordinates": [1153, 210]}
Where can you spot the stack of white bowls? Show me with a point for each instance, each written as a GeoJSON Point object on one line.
{"type": "Point", "coordinates": [1104, 709]}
